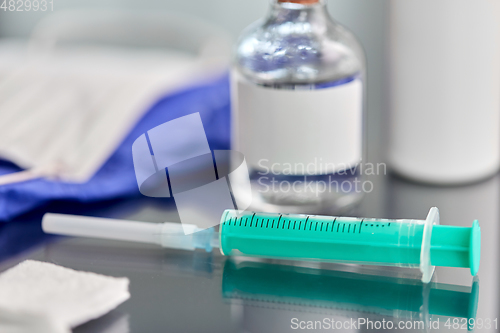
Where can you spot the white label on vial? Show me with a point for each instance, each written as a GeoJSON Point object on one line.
{"type": "Point", "coordinates": [298, 131]}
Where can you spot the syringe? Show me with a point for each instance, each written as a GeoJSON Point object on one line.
{"type": "Point", "coordinates": [405, 243]}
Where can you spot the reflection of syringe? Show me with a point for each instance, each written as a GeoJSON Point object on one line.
{"type": "Point", "coordinates": [406, 243]}
{"type": "Point", "coordinates": [300, 288]}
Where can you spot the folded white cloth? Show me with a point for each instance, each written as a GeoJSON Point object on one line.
{"type": "Point", "coordinates": [42, 297]}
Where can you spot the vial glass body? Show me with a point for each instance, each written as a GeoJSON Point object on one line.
{"type": "Point", "coordinates": [298, 110]}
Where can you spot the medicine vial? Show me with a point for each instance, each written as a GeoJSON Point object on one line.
{"type": "Point", "coordinates": [297, 110]}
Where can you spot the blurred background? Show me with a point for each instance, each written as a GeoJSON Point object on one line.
{"type": "Point", "coordinates": [80, 20]}
{"type": "Point", "coordinates": [366, 19]}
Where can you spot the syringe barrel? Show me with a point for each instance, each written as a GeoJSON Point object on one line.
{"type": "Point", "coordinates": [324, 238]}
{"type": "Point", "coordinates": [351, 240]}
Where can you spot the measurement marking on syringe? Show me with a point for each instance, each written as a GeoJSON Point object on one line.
{"type": "Point", "coordinates": [343, 227]}
{"type": "Point", "coordinates": [294, 223]}
{"type": "Point", "coordinates": [348, 229]}
{"type": "Point", "coordinates": [252, 219]}
{"type": "Point", "coordinates": [360, 225]}
{"type": "Point", "coordinates": [305, 224]}
{"type": "Point", "coordinates": [267, 224]}
{"type": "Point", "coordinates": [333, 225]}
{"type": "Point", "coordinates": [225, 216]}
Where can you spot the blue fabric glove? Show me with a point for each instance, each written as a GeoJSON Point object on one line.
{"type": "Point", "coordinates": [116, 178]}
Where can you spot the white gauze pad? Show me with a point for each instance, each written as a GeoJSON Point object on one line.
{"type": "Point", "coordinates": [61, 296]}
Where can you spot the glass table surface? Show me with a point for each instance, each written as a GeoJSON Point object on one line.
{"type": "Point", "coordinates": [184, 291]}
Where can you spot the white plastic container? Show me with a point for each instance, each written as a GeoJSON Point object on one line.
{"type": "Point", "coordinates": [444, 62]}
